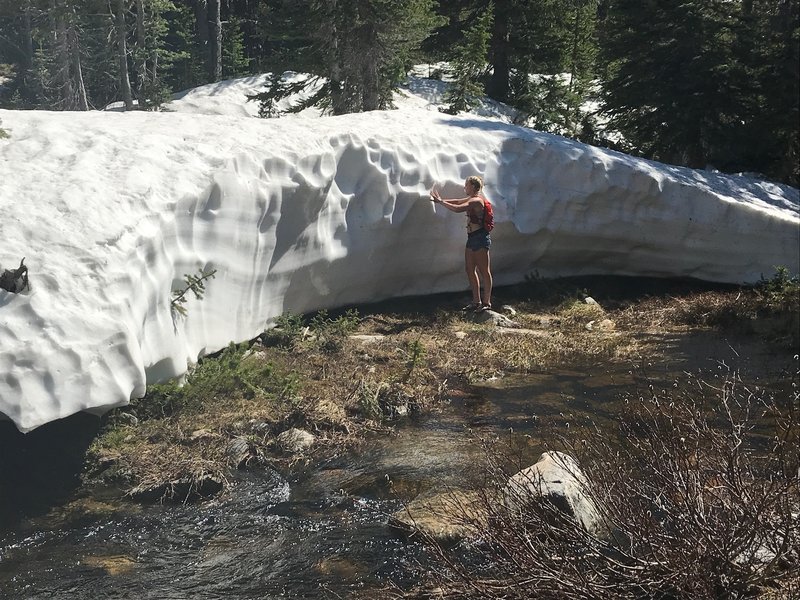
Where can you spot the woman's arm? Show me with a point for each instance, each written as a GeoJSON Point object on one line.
{"type": "Point", "coordinates": [457, 205]}
{"type": "Point", "coordinates": [436, 197]}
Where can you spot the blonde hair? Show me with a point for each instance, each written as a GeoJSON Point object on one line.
{"type": "Point", "coordinates": [476, 182]}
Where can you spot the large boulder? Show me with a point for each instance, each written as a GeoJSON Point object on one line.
{"type": "Point", "coordinates": [555, 478]}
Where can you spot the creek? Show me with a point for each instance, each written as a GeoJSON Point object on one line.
{"type": "Point", "coordinates": [321, 531]}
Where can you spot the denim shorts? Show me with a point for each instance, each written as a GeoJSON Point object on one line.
{"type": "Point", "coordinates": [478, 240]}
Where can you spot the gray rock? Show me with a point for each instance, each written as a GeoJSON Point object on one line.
{"type": "Point", "coordinates": [239, 452]}
{"type": "Point", "coordinates": [604, 325]}
{"type": "Point", "coordinates": [400, 410]}
{"type": "Point", "coordinates": [128, 418]}
{"type": "Point", "coordinates": [556, 478]}
{"type": "Point", "coordinates": [522, 331]}
{"type": "Point", "coordinates": [259, 427]}
{"type": "Point", "coordinates": [494, 318]}
{"type": "Point", "coordinates": [447, 517]}
{"type": "Point", "coordinates": [200, 435]}
{"type": "Point", "coordinates": [367, 339]}
{"type": "Point", "coordinates": [295, 440]}
{"type": "Point", "coordinates": [15, 280]}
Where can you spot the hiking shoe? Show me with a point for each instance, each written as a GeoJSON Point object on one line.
{"type": "Point", "coordinates": [483, 308]}
{"type": "Point", "coordinates": [472, 307]}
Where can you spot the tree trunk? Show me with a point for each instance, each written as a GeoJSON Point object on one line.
{"type": "Point", "coordinates": [122, 56]}
{"type": "Point", "coordinates": [141, 47]}
{"type": "Point", "coordinates": [27, 42]}
{"type": "Point", "coordinates": [61, 44]}
{"type": "Point", "coordinates": [370, 94]}
{"type": "Point", "coordinates": [201, 24]}
{"type": "Point", "coordinates": [216, 39]}
{"type": "Point", "coordinates": [75, 56]}
{"type": "Point", "coordinates": [27, 75]}
{"type": "Point", "coordinates": [499, 83]}
{"type": "Point", "coordinates": [337, 93]}
{"type": "Point", "coordinates": [573, 67]}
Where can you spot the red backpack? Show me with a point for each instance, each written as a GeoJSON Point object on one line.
{"type": "Point", "coordinates": [488, 215]}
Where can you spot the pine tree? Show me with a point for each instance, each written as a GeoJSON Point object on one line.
{"type": "Point", "coordinates": [581, 61]}
{"type": "Point", "coordinates": [182, 64]}
{"type": "Point", "coordinates": [706, 82]}
{"type": "Point", "coordinates": [554, 64]}
{"type": "Point", "coordinates": [18, 54]}
{"type": "Point", "coordinates": [234, 61]}
{"type": "Point", "coordinates": [767, 45]}
{"type": "Point", "coordinates": [469, 66]}
{"type": "Point", "coordinates": [357, 51]}
{"type": "Point", "coordinates": [533, 44]}
{"type": "Point", "coordinates": [76, 57]}
{"type": "Point", "coordinates": [151, 58]}
{"type": "Point", "coordinates": [669, 88]}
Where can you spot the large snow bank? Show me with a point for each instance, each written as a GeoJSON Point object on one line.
{"type": "Point", "coordinates": [112, 209]}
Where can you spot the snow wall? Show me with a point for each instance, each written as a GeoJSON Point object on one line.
{"type": "Point", "coordinates": [112, 210]}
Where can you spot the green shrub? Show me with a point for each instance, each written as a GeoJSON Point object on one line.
{"type": "Point", "coordinates": [416, 357]}
{"type": "Point", "coordinates": [287, 333]}
{"type": "Point", "coordinates": [327, 334]}
{"type": "Point", "coordinates": [113, 439]}
{"type": "Point", "coordinates": [264, 379]}
{"type": "Point", "coordinates": [370, 396]}
{"type": "Point", "coordinates": [161, 400]}
{"type": "Point", "coordinates": [782, 291]}
{"type": "Point", "coordinates": [331, 333]}
{"type": "Point", "coordinates": [229, 374]}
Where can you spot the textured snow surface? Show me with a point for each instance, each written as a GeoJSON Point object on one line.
{"type": "Point", "coordinates": [112, 209]}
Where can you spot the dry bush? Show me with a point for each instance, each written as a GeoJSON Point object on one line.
{"type": "Point", "coordinates": [770, 309]}
{"type": "Point", "coordinates": [708, 309]}
{"type": "Point", "coordinates": [698, 491]}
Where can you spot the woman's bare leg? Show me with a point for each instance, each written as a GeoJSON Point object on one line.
{"type": "Point", "coordinates": [482, 265]}
{"type": "Point", "coordinates": [472, 275]}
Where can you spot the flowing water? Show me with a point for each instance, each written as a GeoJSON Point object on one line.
{"type": "Point", "coordinates": [320, 531]}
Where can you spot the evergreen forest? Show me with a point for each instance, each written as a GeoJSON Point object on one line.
{"type": "Point", "coordinates": [701, 83]}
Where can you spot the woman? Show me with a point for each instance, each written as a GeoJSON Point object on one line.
{"type": "Point", "coordinates": [476, 254]}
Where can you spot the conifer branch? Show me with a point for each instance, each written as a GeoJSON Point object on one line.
{"type": "Point", "coordinates": [195, 284]}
